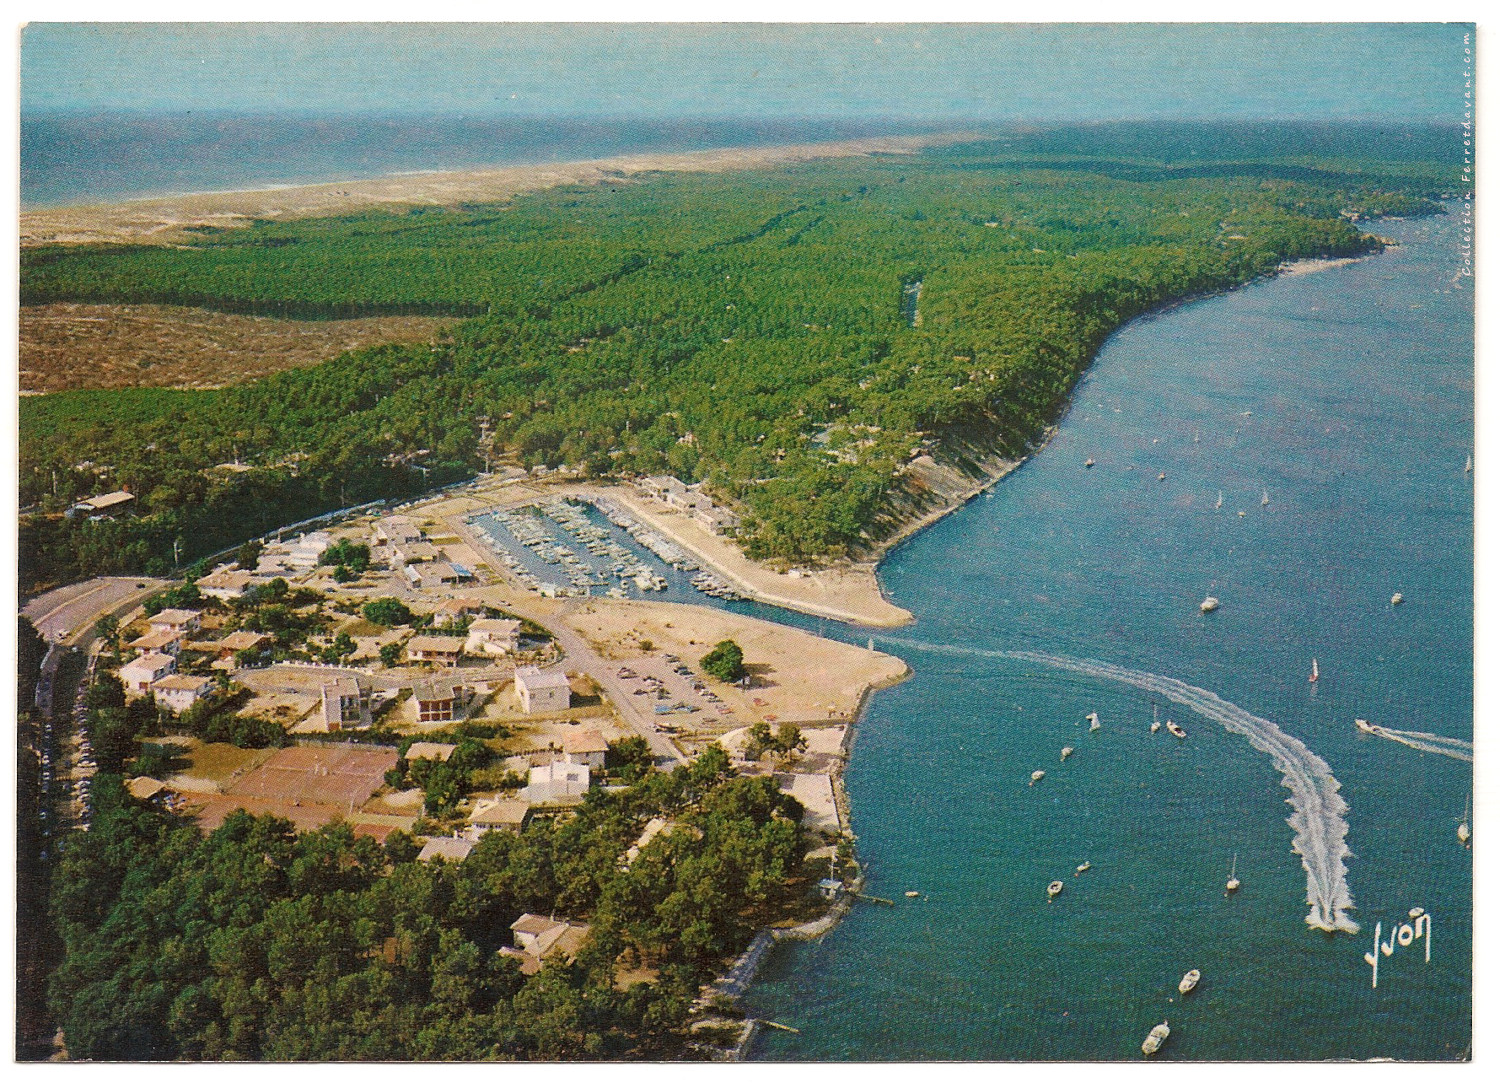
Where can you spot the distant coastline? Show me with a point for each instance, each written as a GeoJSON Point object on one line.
{"type": "Point", "coordinates": [164, 220]}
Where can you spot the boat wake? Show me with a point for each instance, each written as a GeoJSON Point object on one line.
{"type": "Point", "coordinates": [1317, 820]}
{"type": "Point", "coordinates": [1428, 742]}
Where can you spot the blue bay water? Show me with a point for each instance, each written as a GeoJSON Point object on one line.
{"type": "Point", "coordinates": [1346, 396]}
{"type": "Point", "coordinates": [76, 158]}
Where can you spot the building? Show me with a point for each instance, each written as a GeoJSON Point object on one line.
{"type": "Point", "coordinates": [692, 500]}
{"type": "Point", "coordinates": [144, 787]}
{"type": "Point", "coordinates": [444, 650]}
{"type": "Point", "coordinates": [436, 573]}
{"type": "Point", "coordinates": [413, 552]}
{"type": "Point", "coordinates": [140, 674]}
{"type": "Point", "coordinates": [346, 703]}
{"type": "Point", "coordinates": [495, 636]}
{"type": "Point", "coordinates": [180, 621]}
{"type": "Point", "coordinates": [557, 782]}
{"type": "Point", "coordinates": [449, 849]}
{"type": "Point", "coordinates": [441, 700]}
{"type": "Point", "coordinates": [587, 748]}
{"type": "Point", "coordinates": [179, 691]}
{"type": "Point", "coordinates": [537, 939]}
{"type": "Point", "coordinates": [542, 690]}
{"type": "Point", "coordinates": [107, 504]}
{"type": "Point", "coordinates": [235, 642]}
{"type": "Point", "coordinates": [396, 529]}
{"type": "Point", "coordinates": [429, 750]}
{"type": "Point", "coordinates": [228, 583]}
{"type": "Point", "coordinates": [498, 814]}
{"type": "Point", "coordinates": [167, 642]}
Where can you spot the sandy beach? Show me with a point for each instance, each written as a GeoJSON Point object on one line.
{"type": "Point", "coordinates": [162, 221]}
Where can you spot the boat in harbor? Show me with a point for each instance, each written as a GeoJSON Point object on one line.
{"type": "Point", "coordinates": [1363, 726]}
{"type": "Point", "coordinates": [1157, 1038]}
{"type": "Point", "coordinates": [1314, 678]}
{"type": "Point", "coordinates": [1208, 605]}
{"type": "Point", "coordinates": [1189, 982]}
{"type": "Point", "coordinates": [1054, 889]}
{"type": "Point", "coordinates": [1233, 883]}
{"type": "Point", "coordinates": [1037, 776]}
{"type": "Point", "coordinates": [1175, 730]}
{"type": "Point", "coordinates": [1093, 720]}
{"type": "Point", "coordinates": [1085, 867]}
{"type": "Point", "coordinates": [1067, 751]}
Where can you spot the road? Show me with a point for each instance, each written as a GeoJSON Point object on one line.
{"type": "Point", "coordinates": [68, 614]}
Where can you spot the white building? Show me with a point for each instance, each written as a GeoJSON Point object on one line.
{"type": "Point", "coordinates": [180, 621]}
{"type": "Point", "coordinates": [587, 748]}
{"type": "Point", "coordinates": [346, 704]}
{"type": "Point", "coordinates": [140, 674]}
{"type": "Point", "coordinates": [227, 583]}
{"type": "Point", "coordinates": [493, 636]}
{"type": "Point", "coordinates": [179, 691]}
{"type": "Point", "coordinates": [166, 642]}
{"type": "Point", "coordinates": [542, 690]}
{"type": "Point", "coordinates": [449, 849]}
{"type": "Point", "coordinates": [556, 781]}
{"type": "Point", "coordinates": [497, 814]}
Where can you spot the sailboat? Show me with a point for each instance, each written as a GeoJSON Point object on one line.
{"type": "Point", "coordinates": [1314, 678]}
{"type": "Point", "coordinates": [1155, 722]}
{"type": "Point", "coordinates": [1232, 884]}
{"type": "Point", "coordinates": [1463, 828]}
{"type": "Point", "coordinates": [1469, 464]}
{"type": "Point", "coordinates": [1220, 502]}
{"type": "Point", "coordinates": [1092, 718]}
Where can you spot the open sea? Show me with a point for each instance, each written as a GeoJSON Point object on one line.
{"type": "Point", "coordinates": [85, 158]}
{"type": "Point", "coordinates": [1335, 410]}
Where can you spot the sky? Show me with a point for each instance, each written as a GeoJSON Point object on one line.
{"type": "Point", "coordinates": [1003, 72]}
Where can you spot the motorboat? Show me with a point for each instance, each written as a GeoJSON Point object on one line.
{"type": "Point", "coordinates": [1265, 498]}
{"type": "Point", "coordinates": [1054, 889]}
{"type": "Point", "coordinates": [1093, 720]}
{"type": "Point", "coordinates": [1314, 678]}
{"type": "Point", "coordinates": [1155, 722]}
{"type": "Point", "coordinates": [1232, 884]}
{"type": "Point", "coordinates": [1464, 834]}
{"type": "Point", "coordinates": [1157, 1038]}
{"type": "Point", "coordinates": [1037, 776]}
{"type": "Point", "coordinates": [1220, 502]}
{"type": "Point", "coordinates": [1397, 599]}
{"type": "Point", "coordinates": [913, 894]}
{"type": "Point", "coordinates": [1363, 726]}
{"type": "Point", "coordinates": [1066, 752]}
{"type": "Point", "coordinates": [1208, 605]}
{"type": "Point", "coordinates": [1155, 726]}
{"type": "Point", "coordinates": [1162, 476]}
{"type": "Point", "coordinates": [1189, 982]}
{"type": "Point", "coordinates": [1085, 867]}
{"type": "Point", "coordinates": [1088, 462]}
{"type": "Point", "coordinates": [1175, 730]}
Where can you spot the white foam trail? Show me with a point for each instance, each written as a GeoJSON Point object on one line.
{"type": "Point", "coordinates": [1429, 742]}
{"type": "Point", "coordinates": [1317, 822]}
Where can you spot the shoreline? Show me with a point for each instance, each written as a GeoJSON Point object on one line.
{"type": "Point", "coordinates": [165, 219]}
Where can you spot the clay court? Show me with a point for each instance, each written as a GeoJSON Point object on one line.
{"type": "Point", "coordinates": [339, 775]}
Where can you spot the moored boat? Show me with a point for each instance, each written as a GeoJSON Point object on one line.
{"type": "Point", "coordinates": [1158, 1036]}
{"type": "Point", "coordinates": [1189, 982]}
{"type": "Point", "coordinates": [1054, 889]}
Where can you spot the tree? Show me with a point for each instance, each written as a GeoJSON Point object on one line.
{"type": "Point", "coordinates": [387, 611]}
{"type": "Point", "coordinates": [390, 654]}
{"type": "Point", "coordinates": [343, 645]}
{"type": "Point", "coordinates": [247, 556]}
{"type": "Point", "coordinates": [726, 661]}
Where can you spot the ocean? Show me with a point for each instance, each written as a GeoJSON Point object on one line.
{"type": "Point", "coordinates": [1335, 410]}
{"type": "Point", "coordinates": [83, 158]}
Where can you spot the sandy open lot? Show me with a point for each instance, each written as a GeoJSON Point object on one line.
{"type": "Point", "coordinates": [796, 676]}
